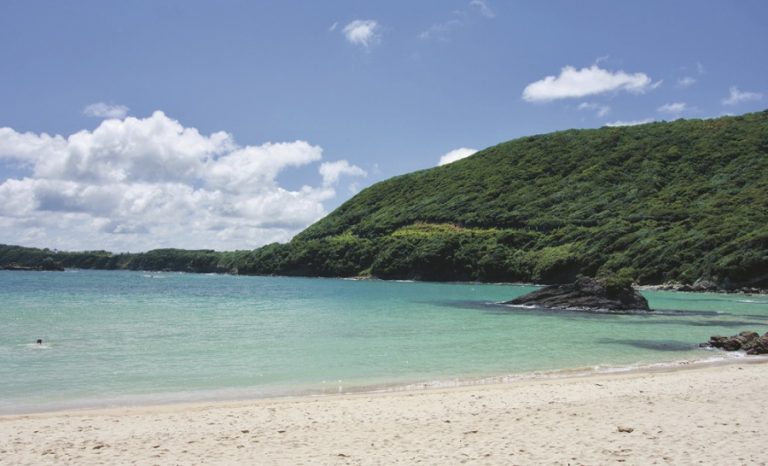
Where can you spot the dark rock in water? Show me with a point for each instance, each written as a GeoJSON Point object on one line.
{"type": "Point", "coordinates": [586, 294]}
{"type": "Point", "coordinates": [750, 342]}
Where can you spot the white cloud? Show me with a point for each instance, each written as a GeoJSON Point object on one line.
{"type": "Point", "coordinates": [333, 26]}
{"type": "Point", "coordinates": [686, 81]}
{"type": "Point", "coordinates": [737, 96]}
{"type": "Point", "coordinates": [332, 171]}
{"type": "Point", "coordinates": [573, 83]}
{"type": "Point", "coordinates": [142, 183]}
{"type": "Point", "coordinates": [363, 32]}
{"type": "Point", "coordinates": [456, 154]}
{"type": "Point", "coordinates": [673, 108]}
{"type": "Point", "coordinates": [102, 110]}
{"type": "Point", "coordinates": [482, 5]}
{"type": "Point", "coordinates": [629, 123]}
{"type": "Point", "coordinates": [600, 110]}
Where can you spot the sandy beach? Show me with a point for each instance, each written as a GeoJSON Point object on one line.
{"type": "Point", "coordinates": [709, 415]}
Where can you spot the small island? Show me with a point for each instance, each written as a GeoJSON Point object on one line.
{"type": "Point", "coordinates": [587, 294]}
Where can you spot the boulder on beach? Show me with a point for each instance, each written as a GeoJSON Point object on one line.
{"type": "Point", "coordinates": [750, 342]}
{"type": "Point", "coordinates": [590, 294]}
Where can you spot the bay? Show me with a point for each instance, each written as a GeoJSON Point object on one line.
{"type": "Point", "coordinates": [121, 338]}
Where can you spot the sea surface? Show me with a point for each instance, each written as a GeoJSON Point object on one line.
{"type": "Point", "coordinates": [115, 338]}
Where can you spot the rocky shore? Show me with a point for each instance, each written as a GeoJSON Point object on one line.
{"type": "Point", "coordinates": [747, 341]}
{"type": "Point", "coordinates": [703, 285]}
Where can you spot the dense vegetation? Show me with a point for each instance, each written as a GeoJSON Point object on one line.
{"type": "Point", "coordinates": [200, 261]}
{"type": "Point", "coordinates": [658, 202]}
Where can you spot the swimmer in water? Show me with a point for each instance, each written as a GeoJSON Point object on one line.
{"type": "Point", "coordinates": [39, 341]}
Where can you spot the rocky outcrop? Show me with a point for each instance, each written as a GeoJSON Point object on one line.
{"type": "Point", "coordinates": [750, 342]}
{"type": "Point", "coordinates": [700, 285]}
{"type": "Point", "coordinates": [586, 294]}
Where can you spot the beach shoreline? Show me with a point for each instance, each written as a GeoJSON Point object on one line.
{"type": "Point", "coordinates": [679, 415]}
{"type": "Point", "coordinates": [334, 389]}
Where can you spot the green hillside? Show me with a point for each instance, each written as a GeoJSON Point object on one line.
{"type": "Point", "coordinates": [660, 202]}
{"type": "Point", "coordinates": [663, 201]}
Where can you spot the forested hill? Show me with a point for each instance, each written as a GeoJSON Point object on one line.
{"type": "Point", "coordinates": [663, 201]}
{"type": "Point", "coordinates": [660, 202]}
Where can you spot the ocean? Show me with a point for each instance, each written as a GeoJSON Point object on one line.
{"type": "Point", "coordinates": [118, 338]}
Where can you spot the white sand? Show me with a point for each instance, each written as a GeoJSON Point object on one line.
{"type": "Point", "coordinates": [713, 415]}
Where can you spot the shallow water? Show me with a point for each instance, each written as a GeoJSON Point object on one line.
{"type": "Point", "coordinates": [117, 337]}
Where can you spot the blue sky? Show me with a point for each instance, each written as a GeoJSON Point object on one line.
{"type": "Point", "coordinates": [236, 123]}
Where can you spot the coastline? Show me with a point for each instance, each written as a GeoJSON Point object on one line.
{"type": "Point", "coordinates": [679, 415]}
{"type": "Point", "coordinates": [228, 395]}
{"type": "Point", "coordinates": [666, 286]}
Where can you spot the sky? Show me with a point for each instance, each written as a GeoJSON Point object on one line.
{"type": "Point", "coordinates": [129, 126]}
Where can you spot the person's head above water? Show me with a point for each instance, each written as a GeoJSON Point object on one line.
{"type": "Point", "coordinates": [39, 341]}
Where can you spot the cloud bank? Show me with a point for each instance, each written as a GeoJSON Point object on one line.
{"type": "Point", "coordinates": [573, 83]}
{"type": "Point", "coordinates": [142, 183]}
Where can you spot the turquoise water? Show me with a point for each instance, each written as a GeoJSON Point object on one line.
{"type": "Point", "coordinates": [116, 338]}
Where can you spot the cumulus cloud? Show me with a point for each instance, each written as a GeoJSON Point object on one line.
{"type": "Point", "coordinates": [142, 183]}
{"type": "Point", "coordinates": [573, 83]}
{"type": "Point", "coordinates": [737, 96]}
{"type": "Point", "coordinates": [332, 171]}
{"type": "Point", "coordinates": [102, 110]}
{"type": "Point", "coordinates": [456, 154]}
{"type": "Point", "coordinates": [630, 122]}
{"type": "Point", "coordinates": [673, 108]}
{"type": "Point", "coordinates": [363, 32]}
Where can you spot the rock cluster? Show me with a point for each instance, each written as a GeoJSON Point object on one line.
{"type": "Point", "coordinates": [586, 294]}
{"type": "Point", "coordinates": [751, 342]}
